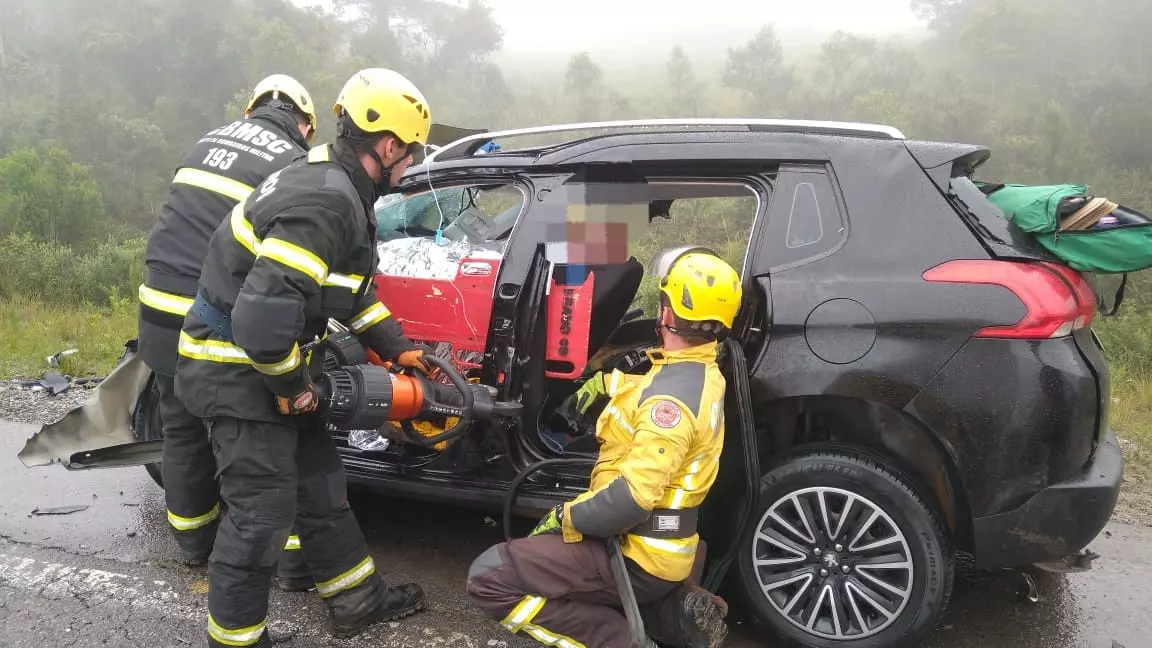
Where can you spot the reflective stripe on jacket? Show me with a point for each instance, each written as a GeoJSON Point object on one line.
{"type": "Point", "coordinates": [219, 171]}
{"type": "Point", "coordinates": [661, 436]}
{"type": "Point", "coordinates": [298, 250]}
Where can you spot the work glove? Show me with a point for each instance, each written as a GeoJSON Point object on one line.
{"type": "Point", "coordinates": [589, 392]}
{"type": "Point", "coordinates": [304, 402]}
{"type": "Point", "coordinates": [550, 523]}
{"type": "Point", "coordinates": [414, 359]}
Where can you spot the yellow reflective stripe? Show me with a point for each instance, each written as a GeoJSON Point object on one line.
{"type": "Point", "coordinates": [614, 384]}
{"type": "Point", "coordinates": [525, 611]}
{"type": "Point", "coordinates": [284, 366]}
{"type": "Point", "coordinates": [211, 350]}
{"type": "Point", "coordinates": [294, 257]}
{"type": "Point", "coordinates": [687, 483]}
{"type": "Point", "coordinates": [550, 638]}
{"type": "Point", "coordinates": [681, 547]}
{"type": "Point", "coordinates": [189, 523]}
{"type": "Point", "coordinates": [162, 301]}
{"type": "Point", "coordinates": [319, 154]}
{"type": "Point", "coordinates": [615, 413]}
{"type": "Point", "coordinates": [369, 317]}
{"type": "Point", "coordinates": [293, 543]}
{"type": "Point", "coordinates": [238, 637]}
{"type": "Point", "coordinates": [242, 229]}
{"type": "Point", "coordinates": [348, 579]}
{"type": "Point", "coordinates": [342, 280]}
{"type": "Point", "coordinates": [213, 182]}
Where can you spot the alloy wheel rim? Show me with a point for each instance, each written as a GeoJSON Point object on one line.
{"type": "Point", "coordinates": [833, 563]}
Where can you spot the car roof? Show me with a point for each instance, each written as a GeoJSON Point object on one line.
{"type": "Point", "coordinates": [730, 138]}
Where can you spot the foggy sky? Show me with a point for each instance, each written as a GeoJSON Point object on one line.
{"type": "Point", "coordinates": [631, 25]}
{"type": "Point", "coordinates": [700, 26]}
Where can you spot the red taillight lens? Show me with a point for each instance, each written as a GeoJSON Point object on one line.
{"type": "Point", "coordinates": [1058, 299]}
{"type": "Point", "coordinates": [1085, 296]}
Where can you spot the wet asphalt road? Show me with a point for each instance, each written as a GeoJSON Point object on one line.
{"type": "Point", "coordinates": [109, 576]}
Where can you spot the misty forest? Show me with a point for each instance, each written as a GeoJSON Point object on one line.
{"type": "Point", "coordinates": [100, 99]}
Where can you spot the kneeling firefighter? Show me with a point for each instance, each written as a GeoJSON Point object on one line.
{"type": "Point", "coordinates": [298, 250]}
{"type": "Point", "coordinates": [661, 436]}
{"type": "Point", "coordinates": [218, 172]}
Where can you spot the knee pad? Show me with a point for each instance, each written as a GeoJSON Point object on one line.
{"type": "Point", "coordinates": [324, 493]}
{"type": "Point", "coordinates": [485, 562]}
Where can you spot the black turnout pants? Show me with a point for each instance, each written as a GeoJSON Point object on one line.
{"type": "Point", "coordinates": [191, 493]}
{"type": "Point", "coordinates": [270, 476]}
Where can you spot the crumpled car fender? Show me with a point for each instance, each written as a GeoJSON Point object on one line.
{"type": "Point", "coordinates": [104, 420]}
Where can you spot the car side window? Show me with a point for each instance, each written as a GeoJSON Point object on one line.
{"type": "Point", "coordinates": [477, 213]}
{"type": "Point", "coordinates": [804, 220]}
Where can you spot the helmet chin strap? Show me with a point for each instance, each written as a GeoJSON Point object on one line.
{"type": "Point", "coordinates": [384, 184]}
{"type": "Point", "coordinates": [661, 327]}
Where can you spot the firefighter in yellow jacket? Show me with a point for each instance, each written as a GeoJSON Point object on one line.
{"type": "Point", "coordinates": [661, 435]}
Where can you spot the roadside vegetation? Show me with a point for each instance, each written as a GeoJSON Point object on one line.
{"type": "Point", "coordinates": [84, 166]}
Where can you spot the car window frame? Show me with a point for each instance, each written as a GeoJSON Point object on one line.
{"type": "Point", "coordinates": [773, 238]}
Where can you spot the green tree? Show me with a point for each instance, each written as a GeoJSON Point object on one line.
{"type": "Point", "coordinates": [842, 57]}
{"type": "Point", "coordinates": [584, 86]}
{"type": "Point", "coordinates": [682, 84]}
{"type": "Point", "coordinates": [44, 193]}
{"type": "Point", "coordinates": [757, 70]}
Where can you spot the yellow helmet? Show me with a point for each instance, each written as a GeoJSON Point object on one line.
{"type": "Point", "coordinates": [378, 100]}
{"type": "Point", "coordinates": [290, 88]}
{"type": "Point", "coordinates": [701, 287]}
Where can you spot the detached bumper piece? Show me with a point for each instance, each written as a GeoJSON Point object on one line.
{"type": "Point", "coordinates": [1058, 521]}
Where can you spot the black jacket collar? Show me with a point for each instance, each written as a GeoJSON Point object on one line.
{"type": "Point", "coordinates": [349, 160]}
{"type": "Point", "coordinates": [284, 122]}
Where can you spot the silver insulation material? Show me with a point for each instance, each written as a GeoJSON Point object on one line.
{"type": "Point", "coordinates": [423, 258]}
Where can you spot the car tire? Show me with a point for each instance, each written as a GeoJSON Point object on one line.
{"type": "Point", "coordinates": [888, 523]}
{"type": "Point", "coordinates": [146, 425]}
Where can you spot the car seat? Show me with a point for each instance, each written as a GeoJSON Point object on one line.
{"type": "Point", "coordinates": [615, 288]}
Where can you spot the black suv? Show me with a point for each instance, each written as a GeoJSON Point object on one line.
{"type": "Point", "coordinates": [909, 378]}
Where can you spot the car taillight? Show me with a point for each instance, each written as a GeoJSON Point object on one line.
{"type": "Point", "coordinates": [1085, 296]}
{"type": "Point", "coordinates": [1058, 299]}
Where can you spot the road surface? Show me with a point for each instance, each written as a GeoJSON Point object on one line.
{"type": "Point", "coordinates": [109, 575]}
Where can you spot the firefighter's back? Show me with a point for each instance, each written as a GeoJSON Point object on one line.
{"type": "Point", "coordinates": [220, 170]}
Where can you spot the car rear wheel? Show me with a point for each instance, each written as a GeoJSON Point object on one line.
{"type": "Point", "coordinates": [146, 424]}
{"type": "Point", "coordinates": [844, 553]}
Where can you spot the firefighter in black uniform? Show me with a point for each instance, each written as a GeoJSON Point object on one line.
{"type": "Point", "coordinates": [278, 124]}
{"type": "Point", "coordinates": [300, 249]}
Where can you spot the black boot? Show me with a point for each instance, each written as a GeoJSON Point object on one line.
{"type": "Point", "coordinates": [292, 573]}
{"type": "Point", "coordinates": [293, 584]}
{"type": "Point", "coordinates": [352, 612]}
{"type": "Point", "coordinates": [195, 561]}
{"type": "Point", "coordinates": [701, 624]}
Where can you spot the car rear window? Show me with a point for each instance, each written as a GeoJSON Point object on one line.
{"type": "Point", "coordinates": [989, 223]}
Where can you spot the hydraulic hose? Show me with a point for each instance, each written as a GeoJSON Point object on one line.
{"type": "Point", "coordinates": [465, 418]}
{"type": "Point", "coordinates": [510, 498]}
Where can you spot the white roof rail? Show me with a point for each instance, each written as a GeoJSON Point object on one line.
{"type": "Point", "coordinates": [784, 125]}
